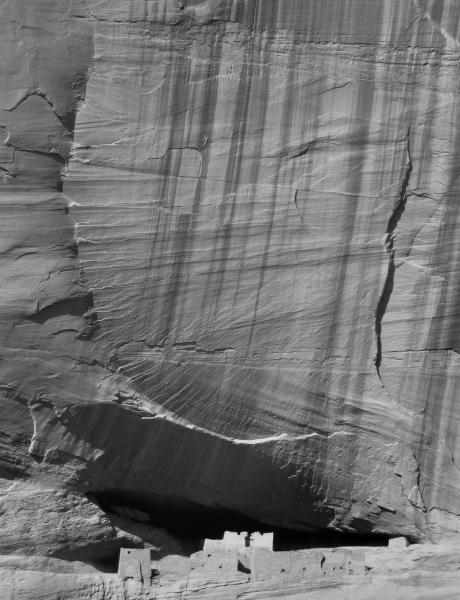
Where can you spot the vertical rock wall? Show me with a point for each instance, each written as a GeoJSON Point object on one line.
{"type": "Point", "coordinates": [230, 258]}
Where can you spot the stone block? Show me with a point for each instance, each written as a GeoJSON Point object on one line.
{"type": "Point", "coordinates": [261, 540]}
{"type": "Point", "coordinates": [134, 563]}
{"type": "Point", "coordinates": [398, 543]}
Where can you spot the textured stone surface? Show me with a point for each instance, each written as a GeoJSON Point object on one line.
{"type": "Point", "coordinates": [229, 256]}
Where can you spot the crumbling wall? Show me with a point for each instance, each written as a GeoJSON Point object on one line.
{"type": "Point", "coordinates": [302, 564]}
{"type": "Point", "coordinates": [355, 562]}
{"type": "Point", "coordinates": [265, 564]}
{"type": "Point", "coordinates": [231, 541]}
{"type": "Point", "coordinates": [261, 564]}
{"type": "Point", "coordinates": [261, 540]}
{"type": "Point", "coordinates": [305, 564]}
{"type": "Point", "coordinates": [172, 568]}
{"type": "Point", "coordinates": [135, 564]}
{"type": "Point", "coordinates": [215, 566]}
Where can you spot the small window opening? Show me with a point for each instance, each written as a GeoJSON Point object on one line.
{"type": "Point", "coordinates": [243, 569]}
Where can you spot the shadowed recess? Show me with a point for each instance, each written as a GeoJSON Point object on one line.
{"type": "Point", "coordinates": [194, 522]}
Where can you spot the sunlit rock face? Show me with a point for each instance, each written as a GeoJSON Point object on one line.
{"type": "Point", "coordinates": [230, 259]}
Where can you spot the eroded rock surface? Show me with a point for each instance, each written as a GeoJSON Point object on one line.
{"type": "Point", "coordinates": [229, 257]}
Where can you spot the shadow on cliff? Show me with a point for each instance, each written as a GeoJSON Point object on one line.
{"type": "Point", "coordinates": [192, 482]}
{"type": "Point", "coordinates": [177, 526]}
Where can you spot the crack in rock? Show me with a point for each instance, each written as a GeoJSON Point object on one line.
{"type": "Point", "coordinates": [387, 290]}
{"type": "Point", "coordinates": [40, 94]}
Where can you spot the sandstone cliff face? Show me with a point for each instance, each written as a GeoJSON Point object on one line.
{"type": "Point", "coordinates": [230, 260]}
